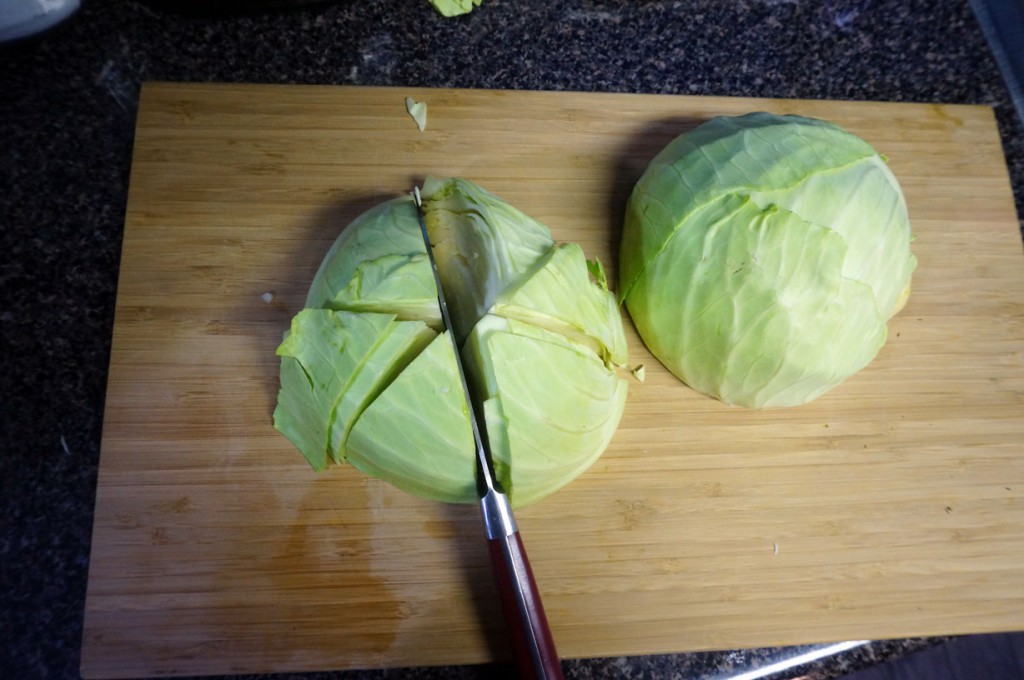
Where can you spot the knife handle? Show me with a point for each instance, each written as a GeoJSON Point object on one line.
{"type": "Point", "coordinates": [532, 644]}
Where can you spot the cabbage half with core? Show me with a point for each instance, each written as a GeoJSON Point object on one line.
{"type": "Point", "coordinates": [762, 256]}
{"type": "Point", "coordinates": [368, 377]}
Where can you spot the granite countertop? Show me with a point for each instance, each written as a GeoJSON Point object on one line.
{"type": "Point", "coordinates": [68, 101]}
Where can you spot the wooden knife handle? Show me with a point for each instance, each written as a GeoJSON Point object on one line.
{"type": "Point", "coordinates": [532, 643]}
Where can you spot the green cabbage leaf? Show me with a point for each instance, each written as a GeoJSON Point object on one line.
{"type": "Point", "coordinates": [451, 8]}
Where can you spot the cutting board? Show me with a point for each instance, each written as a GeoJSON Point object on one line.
{"type": "Point", "coordinates": [891, 507]}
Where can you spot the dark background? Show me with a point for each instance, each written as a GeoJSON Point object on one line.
{"type": "Point", "coordinates": [68, 101]}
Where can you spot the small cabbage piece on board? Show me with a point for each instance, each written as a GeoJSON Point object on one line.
{"type": "Point", "coordinates": [762, 256]}
{"type": "Point", "coordinates": [368, 376]}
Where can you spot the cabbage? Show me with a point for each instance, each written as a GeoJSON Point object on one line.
{"type": "Point", "coordinates": [368, 376]}
{"type": "Point", "coordinates": [452, 8]}
{"type": "Point", "coordinates": [762, 256]}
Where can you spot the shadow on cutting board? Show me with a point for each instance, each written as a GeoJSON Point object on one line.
{"type": "Point", "coordinates": [288, 293]}
{"type": "Point", "coordinates": [468, 541]}
{"type": "Point", "coordinates": [631, 159]}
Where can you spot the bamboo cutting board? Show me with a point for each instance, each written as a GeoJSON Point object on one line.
{"type": "Point", "coordinates": [891, 507]}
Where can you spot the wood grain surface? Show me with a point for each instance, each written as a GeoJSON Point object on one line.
{"type": "Point", "coordinates": [891, 507]}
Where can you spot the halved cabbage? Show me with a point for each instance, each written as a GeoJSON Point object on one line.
{"type": "Point", "coordinates": [762, 256]}
{"type": "Point", "coordinates": [365, 378]}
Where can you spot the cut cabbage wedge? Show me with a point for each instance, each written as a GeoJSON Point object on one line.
{"type": "Point", "coordinates": [332, 365]}
{"type": "Point", "coordinates": [416, 433]}
{"type": "Point", "coordinates": [529, 375]}
{"type": "Point", "coordinates": [378, 264]}
{"type": "Point", "coordinates": [559, 296]}
{"type": "Point", "coordinates": [482, 246]}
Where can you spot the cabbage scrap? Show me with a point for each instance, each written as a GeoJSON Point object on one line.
{"type": "Point", "coordinates": [418, 111]}
{"type": "Point", "coordinates": [451, 8]}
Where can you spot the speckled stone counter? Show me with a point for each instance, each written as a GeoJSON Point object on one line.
{"type": "Point", "coordinates": [67, 109]}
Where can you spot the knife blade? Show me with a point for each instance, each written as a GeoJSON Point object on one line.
{"type": "Point", "coordinates": [532, 642]}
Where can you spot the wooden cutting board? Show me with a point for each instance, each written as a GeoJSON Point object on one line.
{"type": "Point", "coordinates": [891, 507]}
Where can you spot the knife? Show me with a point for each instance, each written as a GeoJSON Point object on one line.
{"type": "Point", "coordinates": [532, 643]}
